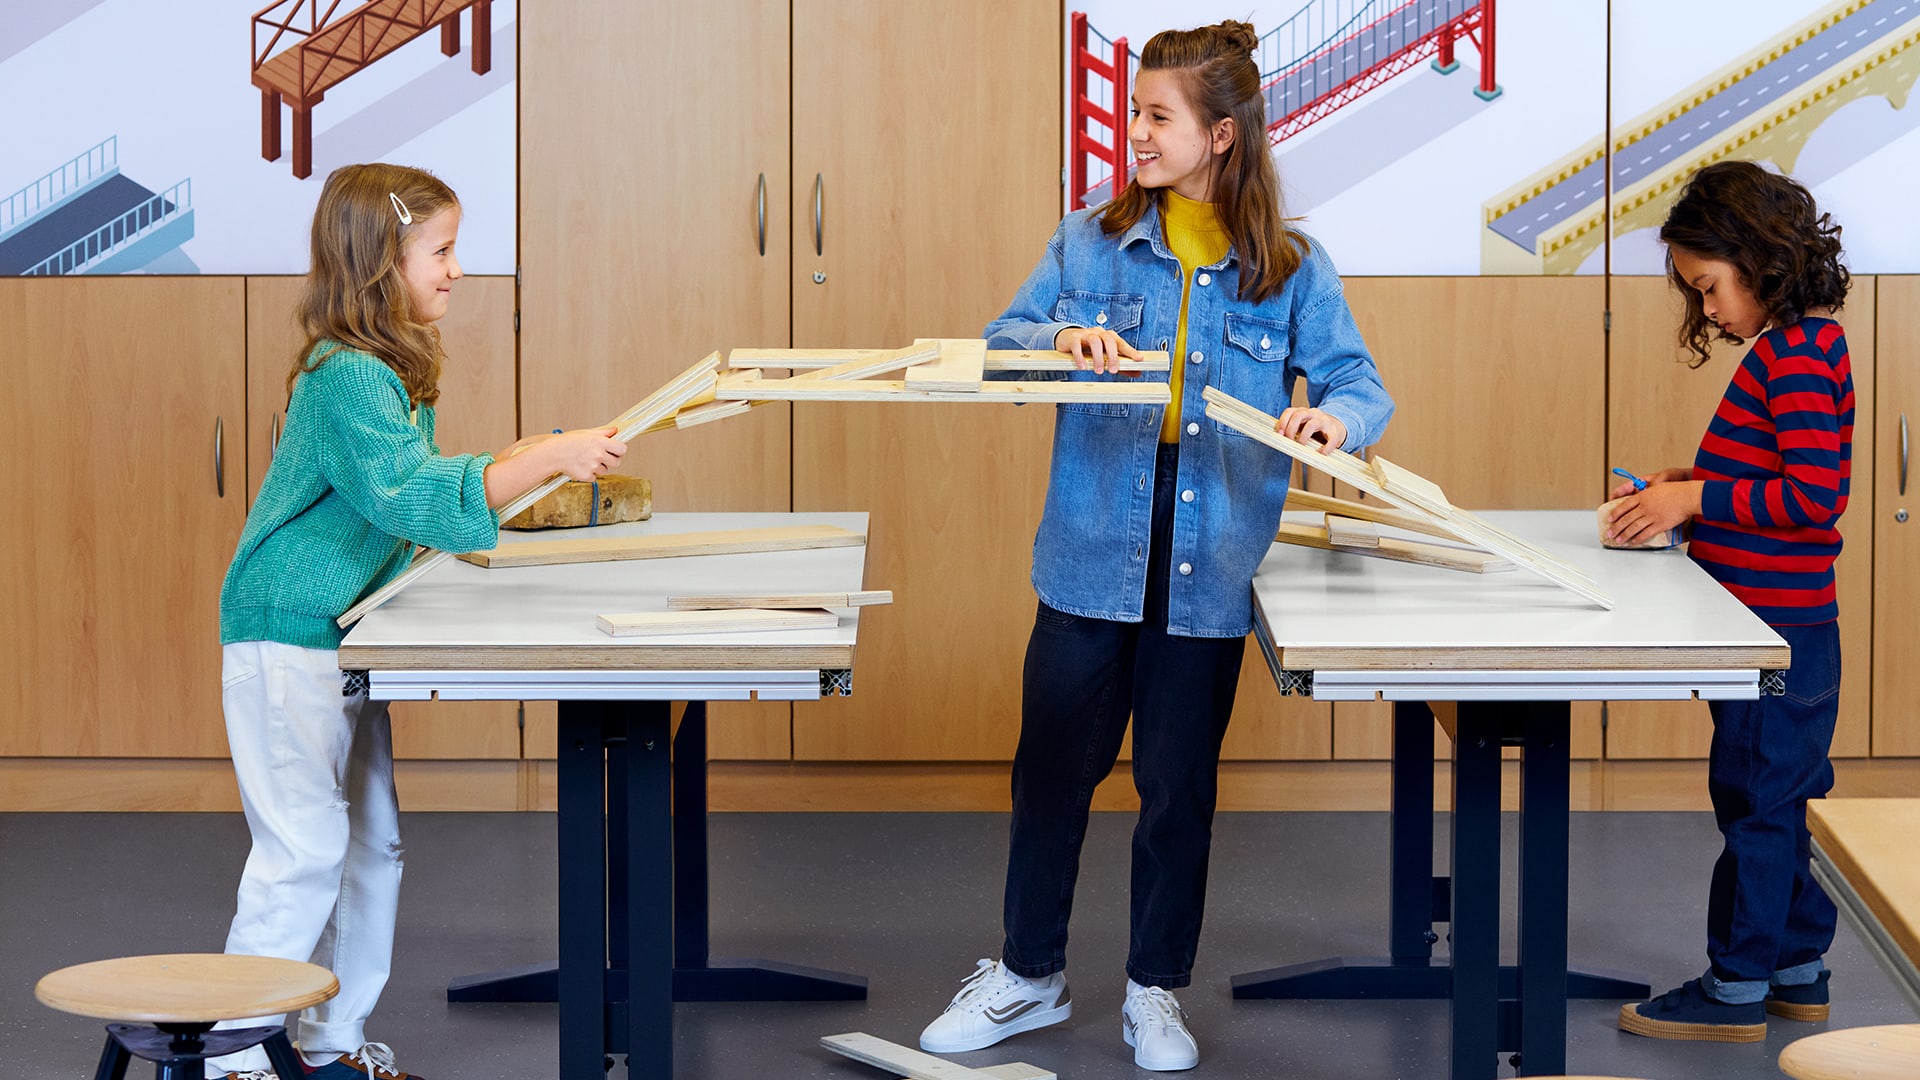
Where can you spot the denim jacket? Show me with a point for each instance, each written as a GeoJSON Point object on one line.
{"type": "Point", "coordinates": [1090, 555]}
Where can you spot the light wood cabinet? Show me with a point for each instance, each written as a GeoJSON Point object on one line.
{"type": "Point", "coordinates": [475, 413]}
{"type": "Point", "coordinates": [1896, 543]}
{"type": "Point", "coordinates": [1658, 410]}
{"type": "Point", "coordinates": [646, 188]}
{"type": "Point", "coordinates": [117, 533]}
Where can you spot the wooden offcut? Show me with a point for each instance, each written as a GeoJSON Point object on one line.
{"type": "Point", "coordinates": [667, 623]}
{"type": "Point", "coordinates": [1352, 532]}
{"type": "Point", "coordinates": [959, 367]}
{"type": "Point", "coordinates": [718, 601]}
{"type": "Point", "coordinates": [915, 1065]}
{"type": "Point", "coordinates": [1412, 551]}
{"type": "Point", "coordinates": [1407, 490]}
{"type": "Point", "coordinates": [608, 501]}
{"type": "Point", "coordinates": [664, 546]}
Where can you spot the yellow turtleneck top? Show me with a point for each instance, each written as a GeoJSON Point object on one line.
{"type": "Point", "coordinates": [1195, 235]}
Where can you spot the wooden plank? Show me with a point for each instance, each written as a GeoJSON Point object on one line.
{"type": "Point", "coordinates": [839, 363]}
{"type": "Point", "coordinates": [796, 389]}
{"type": "Point", "coordinates": [996, 360]}
{"type": "Point", "coordinates": [664, 546]}
{"type": "Point", "coordinates": [788, 600]}
{"type": "Point", "coordinates": [1870, 843]}
{"type": "Point", "coordinates": [1017, 1070]}
{"type": "Point", "coordinates": [959, 367]}
{"type": "Point", "coordinates": [904, 1061]}
{"type": "Point", "coordinates": [1413, 551]}
{"type": "Point", "coordinates": [690, 385]}
{"type": "Point", "coordinates": [1412, 487]}
{"type": "Point", "coordinates": [617, 655]}
{"type": "Point", "coordinates": [1298, 499]}
{"type": "Point", "coordinates": [658, 623]}
{"type": "Point", "coordinates": [1352, 532]}
{"type": "Point", "coordinates": [1351, 470]}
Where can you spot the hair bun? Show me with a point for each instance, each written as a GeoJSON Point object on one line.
{"type": "Point", "coordinates": [1241, 36]}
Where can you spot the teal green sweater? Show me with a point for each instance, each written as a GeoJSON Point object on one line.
{"type": "Point", "coordinates": [354, 480]}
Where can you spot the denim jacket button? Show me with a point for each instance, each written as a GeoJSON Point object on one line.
{"type": "Point", "coordinates": [1205, 279]}
{"type": "Point", "coordinates": [1186, 569]}
{"type": "Point", "coordinates": [1193, 429]}
{"type": "Point", "coordinates": [1187, 495]}
{"type": "Point", "coordinates": [1101, 318]}
{"type": "Point", "coordinates": [1198, 357]}
{"type": "Point", "coordinates": [1265, 342]}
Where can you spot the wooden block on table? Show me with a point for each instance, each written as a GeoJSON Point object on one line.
{"type": "Point", "coordinates": [1412, 487]}
{"type": "Point", "coordinates": [1352, 532]}
{"type": "Point", "coordinates": [915, 1065]}
{"type": "Point", "coordinates": [658, 623]}
{"type": "Point", "coordinates": [665, 546]}
{"type": "Point", "coordinates": [618, 498]}
{"type": "Point", "coordinates": [791, 600]}
{"type": "Point", "coordinates": [960, 366]}
{"type": "Point", "coordinates": [1412, 551]}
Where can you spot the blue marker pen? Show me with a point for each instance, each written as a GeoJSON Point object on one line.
{"type": "Point", "coordinates": [1638, 484]}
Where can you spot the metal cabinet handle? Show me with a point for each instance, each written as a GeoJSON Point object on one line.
{"type": "Point", "coordinates": [219, 459]}
{"type": "Point", "coordinates": [1903, 453]}
{"type": "Point", "coordinates": [819, 233]}
{"type": "Point", "coordinates": [763, 214]}
{"type": "Point", "coordinates": [273, 437]}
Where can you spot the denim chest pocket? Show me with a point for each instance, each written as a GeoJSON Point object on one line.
{"type": "Point", "coordinates": [1118, 312]}
{"type": "Point", "coordinates": [1253, 366]}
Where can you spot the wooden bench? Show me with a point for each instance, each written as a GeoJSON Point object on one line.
{"type": "Point", "coordinates": [182, 995]}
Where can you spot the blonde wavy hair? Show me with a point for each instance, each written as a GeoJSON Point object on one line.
{"type": "Point", "coordinates": [355, 297]}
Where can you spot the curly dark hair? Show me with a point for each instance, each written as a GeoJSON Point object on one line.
{"type": "Point", "coordinates": [1767, 227]}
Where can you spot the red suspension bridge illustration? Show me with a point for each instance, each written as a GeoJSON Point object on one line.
{"type": "Point", "coordinates": [1325, 56]}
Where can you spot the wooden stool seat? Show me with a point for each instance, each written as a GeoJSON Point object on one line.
{"type": "Point", "coordinates": [186, 988]}
{"type": "Point", "coordinates": [1891, 1052]}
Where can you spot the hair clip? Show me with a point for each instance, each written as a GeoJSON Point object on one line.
{"type": "Point", "coordinates": [400, 209]}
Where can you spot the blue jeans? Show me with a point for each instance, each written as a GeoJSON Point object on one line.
{"type": "Point", "coordinates": [1083, 677]}
{"type": "Point", "coordinates": [1767, 919]}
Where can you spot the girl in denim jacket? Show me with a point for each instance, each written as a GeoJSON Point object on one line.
{"type": "Point", "coordinates": [1155, 521]}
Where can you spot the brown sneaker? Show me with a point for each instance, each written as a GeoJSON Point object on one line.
{"type": "Point", "coordinates": [374, 1060]}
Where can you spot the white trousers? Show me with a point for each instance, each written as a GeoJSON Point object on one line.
{"type": "Point", "coordinates": [322, 882]}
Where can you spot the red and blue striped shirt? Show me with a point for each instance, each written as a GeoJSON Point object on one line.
{"type": "Point", "coordinates": [1776, 462]}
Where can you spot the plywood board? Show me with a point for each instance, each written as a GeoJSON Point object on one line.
{"type": "Point", "coordinates": [1300, 499]}
{"type": "Point", "coordinates": [1412, 551]}
{"type": "Point", "coordinates": [1352, 532]}
{"type": "Point", "coordinates": [959, 367]}
{"type": "Point", "coordinates": [996, 359]}
{"type": "Point", "coordinates": [668, 546]}
{"type": "Point", "coordinates": [904, 1061]}
{"type": "Point", "coordinates": [657, 623]}
{"type": "Point", "coordinates": [715, 602]}
{"type": "Point", "coordinates": [1135, 393]}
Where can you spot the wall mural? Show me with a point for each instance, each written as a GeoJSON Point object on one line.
{"type": "Point", "coordinates": [173, 158]}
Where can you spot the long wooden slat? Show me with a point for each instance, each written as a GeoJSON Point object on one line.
{"type": "Point", "coordinates": [1407, 520]}
{"type": "Point", "coordinates": [716, 602]}
{"type": "Point", "coordinates": [661, 623]}
{"type": "Point", "coordinates": [1412, 551]}
{"type": "Point", "coordinates": [907, 1062]}
{"type": "Point", "coordinates": [1351, 470]}
{"type": "Point", "coordinates": [997, 359]}
{"type": "Point", "coordinates": [991, 392]}
{"type": "Point", "coordinates": [664, 546]}
{"type": "Point", "coordinates": [959, 368]}
{"type": "Point", "coordinates": [688, 387]}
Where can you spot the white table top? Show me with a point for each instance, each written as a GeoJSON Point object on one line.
{"type": "Point", "coordinates": [529, 632]}
{"type": "Point", "coordinates": [1368, 626]}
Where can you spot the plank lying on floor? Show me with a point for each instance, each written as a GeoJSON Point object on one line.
{"type": "Point", "coordinates": [795, 389]}
{"type": "Point", "coordinates": [717, 602]}
{"type": "Point", "coordinates": [658, 623]}
{"type": "Point", "coordinates": [959, 368]}
{"type": "Point", "coordinates": [914, 1065]}
{"type": "Point", "coordinates": [1413, 551]}
{"type": "Point", "coordinates": [665, 546]}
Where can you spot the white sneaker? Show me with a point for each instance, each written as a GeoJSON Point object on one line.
{"type": "Point", "coordinates": [1155, 1025]}
{"type": "Point", "coordinates": [994, 1003]}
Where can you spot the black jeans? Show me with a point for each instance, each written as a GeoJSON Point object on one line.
{"type": "Point", "coordinates": [1083, 678]}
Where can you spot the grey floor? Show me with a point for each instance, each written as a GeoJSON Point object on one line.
{"type": "Point", "coordinates": [909, 900]}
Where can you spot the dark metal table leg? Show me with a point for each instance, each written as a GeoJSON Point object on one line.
{"type": "Point", "coordinates": [1544, 819]}
{"type": "Point", "coordinates": [649, 910]}
{"type": "Point", "coordinates": [583, 891]}
{"type": "Point", "coordinates": [1475, 1018]}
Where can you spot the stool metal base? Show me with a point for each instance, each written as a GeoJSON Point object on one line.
{"type": "Point", "coordinates": [180, 1051]}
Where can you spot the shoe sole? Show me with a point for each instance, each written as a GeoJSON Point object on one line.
{"type": "Point", "coordinates": [1181, 1065]}
{"type": "Point", "coordinates": [1032, 1021]}
{"type": "Point", "coordinates": [1632, 1021]}
{"type": "Point", "coordinates": [1789, 1010]}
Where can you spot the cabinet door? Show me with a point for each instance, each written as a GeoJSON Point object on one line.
{"type": "Point", "coordinates": [475, 413]}
{"type": "Point", "coordinates": [1896, 562]}
{"type": "Point", "coordinates": [932, 135]}
{"type": "Point", "coordinates": [117, 536]}
{"type": "Point", "coordinates": [1658, 410]}
{"type": "Point", "coordinates": [641, 212]}
{"type": "Point", "coordinates": [1500, 385]}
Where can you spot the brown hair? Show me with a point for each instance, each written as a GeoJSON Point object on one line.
{"type": "Point", "coordinates": [355, 297]}
{"type": "Point", "coordinates": [1767, 227]}
{"type": "Point", "coordinates": [1217, 72]}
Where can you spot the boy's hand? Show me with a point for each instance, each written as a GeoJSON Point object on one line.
{"type": "Point", "coordinates": [585, 453]}
{"type": "Point", "coordinates": [1664, 476]}
{"type": "Point", "coordinates": [1099, 350]}
{"type": "Point", "coordinates": [1665, 505]}
{"type": "Point", "coordinates": [1317, 429]}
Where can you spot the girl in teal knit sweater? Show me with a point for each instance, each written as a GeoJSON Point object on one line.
{"type": "Point", "coordinates": [355, 481]}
